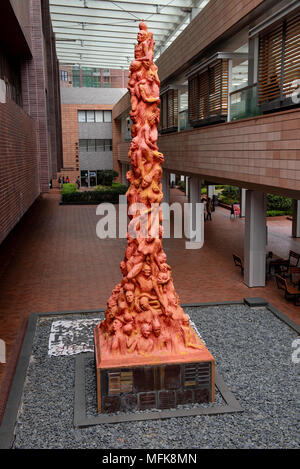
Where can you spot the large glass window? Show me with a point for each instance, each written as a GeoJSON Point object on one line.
{"type": "Point", "coordinates": [99, 116]}
{"type": "Point", "coordinates": [95, 145]}
{"type": "Point", "coordinates": [81, 116]}
{"type": "Point", "coordinates": [94, 116]}
{"type": "Point", "coordinates": [64, 75]}
{"type": "Point", "coordinates": [76, 77]}
{"type": "Point", "coordinates": [107, 116]}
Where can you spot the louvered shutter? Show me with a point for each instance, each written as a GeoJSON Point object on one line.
{"type": "Point", "coordinates": [169, 110]}
{"type": "Point", "coordinates": [270, 65]}
{"type": "Point", "coordinates": [279, 61]}
{"type": "Point", "coordinates": [291, 55]}
{"type": "Point", "coordinates": [208, 94]}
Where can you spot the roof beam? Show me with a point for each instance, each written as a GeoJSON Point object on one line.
{"type": "Point", "coordinates": [109, 21]}
{"type": "Point", "coordinates": [93, 53]}
{"type": "Point", "coordinates": [102, 40]}
{"type": "Point", "coordinates": [138, 9]}
{"type": "Point", "coordinates": [93, 63]}
{"type": "Point", "coordinates": [94, 46]}
{"type": "Point", "coordinates": [107, 14]}
{"type": "Point", "coordinates": [126, 32]}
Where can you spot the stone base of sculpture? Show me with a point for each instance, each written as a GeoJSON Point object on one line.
{"type": "Point", "coordinates": [153, 381]}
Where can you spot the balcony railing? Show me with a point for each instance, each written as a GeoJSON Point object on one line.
{"type": "Point", "coordinates": [243, 103]}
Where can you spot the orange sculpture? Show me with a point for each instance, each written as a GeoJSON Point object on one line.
{"type": "Point", "coordinates": [143, 315]}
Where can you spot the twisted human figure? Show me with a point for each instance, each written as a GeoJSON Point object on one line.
{"type": "Point", "coordinates": [143, 315]}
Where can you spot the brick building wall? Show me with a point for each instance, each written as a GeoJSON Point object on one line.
{"type": "Point", "coordinates": [30, 132]}
{"type": "Point", "coordinates": [19, 181]}
{"type": "Point", "coordinates": [258, 153]}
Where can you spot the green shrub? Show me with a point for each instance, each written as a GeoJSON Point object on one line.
{"type": "Point", "coordinates": [106, 176]}
{"type": "Point", "coordinates": [68, 188]}
{"type": "Point", "coordinates": [231, 192]}
{"type": "Point", "coordinates": [181, 186]}
{"type": "Point", "coordinates": [116, 187]}
{"type": "Point", "coordinates": [278, 202]}
{"type": "Point", "coordinates": [99, 195]}
{"type": "Point", "coordinates": [228, 200]}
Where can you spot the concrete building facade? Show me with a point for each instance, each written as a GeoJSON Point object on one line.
{"type": "Point", "coordinates": [30, 124]}
{"type": "Point", "coordinates": [87, 132]}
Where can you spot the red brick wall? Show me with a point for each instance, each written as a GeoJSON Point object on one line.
{"type": "Point", "coordinates": [70, 130]}
{"type": "Point", "coordinates": [261, 153]}
{"type": "Point", "coordinates": [19, 183]}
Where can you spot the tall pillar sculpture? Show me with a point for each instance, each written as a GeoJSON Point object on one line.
{"type": "Point", "coordinates": [144, 323]}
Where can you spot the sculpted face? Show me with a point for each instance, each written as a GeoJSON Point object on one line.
{"type": "Point", "coordinates": [146, 330]}
{"type": "Point", "coordinates": [142, 35]}
{"type": "Point", "coordinates": [127, 329]}
{"type": "Point", "coordinates": [162, 277]}
{"type": "Point", "coordinates": [146, 271]}
{"type": "Point", "coordinates": [144, 303]}
{"type": "Point", "coordinates": [129, 296]}
{"type": "Point", "coordinates": [117, 325]}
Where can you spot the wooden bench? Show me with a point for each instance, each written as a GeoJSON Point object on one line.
{"type": "Point", "coordinates": [283, 266]}
{"type": "Point", "coordinates": [238, 262]}
{"type": "Point", "coordinates": [294, 275]}
{"type": "Point", "coordinates": [290, 291]}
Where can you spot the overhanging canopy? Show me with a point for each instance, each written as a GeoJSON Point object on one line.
{"type": "Point", "coordinates": [102, 33]}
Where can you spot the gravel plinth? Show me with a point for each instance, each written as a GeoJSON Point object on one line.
{"type": "Point", "coordinates": [253, 353]}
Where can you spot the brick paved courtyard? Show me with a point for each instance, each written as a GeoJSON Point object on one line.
{"type": "Point", "coordinates": [53, 261]}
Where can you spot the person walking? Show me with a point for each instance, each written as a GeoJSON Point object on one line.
{"type": "Point", "coordinates": [78, 182]}
{"type": "Point", "coordinates": [59, 182]}
{"type": "Point", "coordinates": [208, 209]}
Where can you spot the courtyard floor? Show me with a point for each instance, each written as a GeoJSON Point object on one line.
{"type": "Point", "coordinates": [53, 261]}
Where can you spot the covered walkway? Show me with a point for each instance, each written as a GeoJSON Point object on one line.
{"type": "Point", "coordinates": [53, 261]}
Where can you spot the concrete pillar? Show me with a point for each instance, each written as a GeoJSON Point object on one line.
{"type": "Point", "coordinates": [172, 179]}
{"type": "Point", "coordinates": [210, 191]}
{"type": "Point", "coordinates": [187, 189]}
{"type": "Point", "coordinates": [243, 202]}
{"type": "Point", "coordinates": [192, 222]}
{"type": "Point", "coordinates": [296, 219]}
{"type": "Point", "coordinates": [255, 239]}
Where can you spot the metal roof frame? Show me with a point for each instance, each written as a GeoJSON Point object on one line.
{"type": "Point", "coordinates": [102, 33]}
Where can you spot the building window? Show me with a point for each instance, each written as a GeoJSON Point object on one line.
{"type": "Point", "coordinates": [94, 116]}
{"type": "Point", "coordinates": [169, 111]}
{"type": "Point", "coordinates": [106, 82]}
{"type": "Point", "coordinates": [76, 77]}
{"type": "Point", "coordinates": [279, 64]}
{"type": "Point", "coordinates": [10, 73]}
{"type": "Point", "coordinates": [95, 145]}
{"type": "Point", "coordinates": [208, 94]}
{"type": "Point", "coordinates": [64, 75]}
